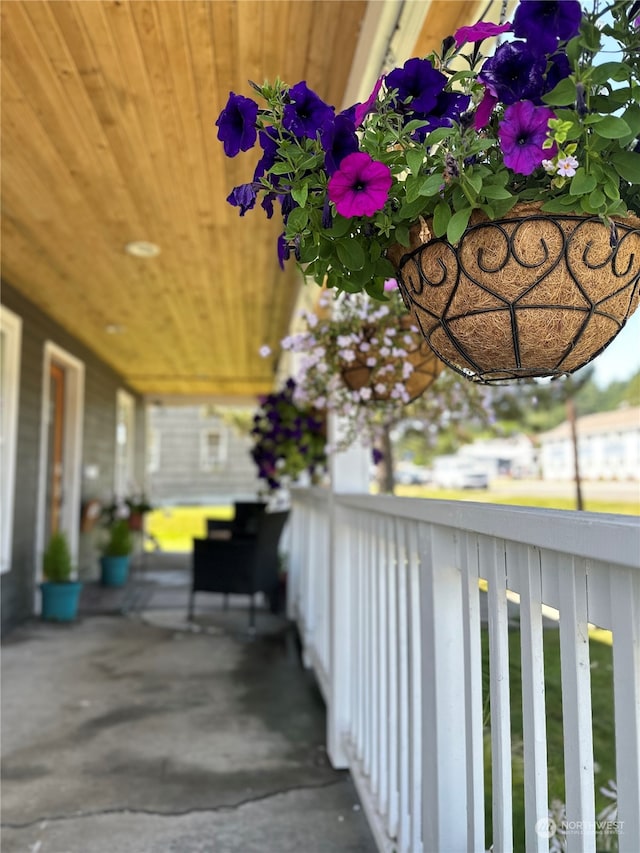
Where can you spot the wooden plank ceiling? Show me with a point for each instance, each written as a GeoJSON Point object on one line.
{"type": "Point", "coordinates": [108, 136]}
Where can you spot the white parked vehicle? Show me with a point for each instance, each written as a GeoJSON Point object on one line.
{"type": "Point", "coordinates": [452, 472]}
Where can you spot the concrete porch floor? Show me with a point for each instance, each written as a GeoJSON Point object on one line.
{"type": "Point", "coordinates": [131, 731]}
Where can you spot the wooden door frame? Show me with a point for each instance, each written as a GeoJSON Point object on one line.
{"type": "Point", "coordinates": [72, 456]}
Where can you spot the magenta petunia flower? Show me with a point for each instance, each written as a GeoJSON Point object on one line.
{"type": "Point", "coordinates": [360, 187]}
{"type": "Point", "coordinates": [485, 108]}
{"type": "Point", "coordinates": [478, 32]}
{"type": "Point", "coordinates": [361, 110]}
{"type": "Point", "coordinates": [522, 133]}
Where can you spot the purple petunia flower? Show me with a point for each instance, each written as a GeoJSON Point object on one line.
{"type": "Point", "coordinates": [521, 133]}
{"type": "Point", "coordinates": [243, 197]}
{"type": "Point", "coordinates": [269, 145]}
{"type": "Point", "coordinates": [514, 73]}
{"type": "Point", "coordinates": [338, 139]}
{"type": "Point", "coordinates": [419, 81]}
{"type": "Point", "coordinates": [360, 187]}
{"type": "Point", "coordinates": [448, 108]}
{"type": "Point", "coordinates": [480, 31]}
{"type": "Point", "coordinates": [558, 70]}
{"type": "Point", "coordinates": [284, 252]}
{"type": "Point", "coordinates": [545, 22]}
{"type": "Point", "coordinates": [237, 124]}
{"type": "Point", "coordinates": [306, 113]}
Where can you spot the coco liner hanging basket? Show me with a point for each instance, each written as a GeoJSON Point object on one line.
{"type": "Point", "coordinates": [426, 366]}
{"type": "Point", "coordinates": [530, 295]}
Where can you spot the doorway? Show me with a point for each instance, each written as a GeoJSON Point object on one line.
{"type": "Point", "coordinates": [61, 450]}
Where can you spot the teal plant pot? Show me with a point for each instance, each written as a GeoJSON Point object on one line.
{"type": "Point", "coordinates": [115, 570]}
{"type": "Point", "coordinates": [60, 601]}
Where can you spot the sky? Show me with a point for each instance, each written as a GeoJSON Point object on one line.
{"type": "Point", "coordinates": [621, 359]}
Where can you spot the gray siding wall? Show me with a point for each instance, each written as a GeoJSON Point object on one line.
{"type": "Point", "coordinates": [101, 384]}
{"type": "Point", "coordinates": [180, 476]}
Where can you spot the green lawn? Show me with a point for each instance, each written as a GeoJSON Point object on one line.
{"type": "Point", "coordinates": [174, 528]}
{"type": "Point", "coordinates": [487, 496]}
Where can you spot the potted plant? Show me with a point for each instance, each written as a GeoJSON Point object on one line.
{"type": "Point", "coordinates": [116, 553]}
{"type": "Point", "coordinates": [463, 172]}
{"type": "Point", "coordinates": [132, 507]}
{"type": "Point", "coordinates": [138, 506]}
{"type": "Point", "coordinates": [60, 594]}
{"type": "Point", "coordinates": [361, 359]}
{"type": "Point", "coordinates": [289, 439]}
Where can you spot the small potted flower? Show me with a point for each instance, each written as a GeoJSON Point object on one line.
{"type": "Point", "coordinates": [60, 593]}
{"type": "Point", "coordinates": [116, 553]}
{"type": "Point", "coordinates": [500, 189]}
{"type": "Point", "coordinates": [289, 439]}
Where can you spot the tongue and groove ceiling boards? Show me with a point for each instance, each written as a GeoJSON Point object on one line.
{"type": "Point", "coordinates": [108, 137]}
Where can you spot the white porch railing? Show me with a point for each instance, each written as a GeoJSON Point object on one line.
{"type": "Point", "coordinates": [387, 596]}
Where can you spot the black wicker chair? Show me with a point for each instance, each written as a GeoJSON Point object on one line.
{"type": "Point", "coordinates": [245, 520]}
{"type": "Point", "coordinates": [242, 565]}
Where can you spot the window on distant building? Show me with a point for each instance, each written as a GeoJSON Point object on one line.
{"type": "Point", "coordinates": [213, 449]}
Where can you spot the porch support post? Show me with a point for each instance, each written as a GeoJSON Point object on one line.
{"type": "Point", "coordinates": [349, 474]}
{"type": "Point", "coordinates": [444, 766]}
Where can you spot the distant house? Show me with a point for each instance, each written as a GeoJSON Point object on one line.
{"type": "Point", "coordinates": [608, 447]}
{"type": "Point", "coordinates": [194, 456]}
{"type": "Point", "coordinates": [503, 457]}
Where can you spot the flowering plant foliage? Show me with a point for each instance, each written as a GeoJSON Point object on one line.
{"type": "Point", "coordinates": [288, 438]}
{"type": "Point", "coordinates": [540, 120]}
{"type": "Point", "coordinates": [360, 334]}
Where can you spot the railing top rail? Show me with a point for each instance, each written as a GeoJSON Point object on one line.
{"type": "Point", "coordinates": [598, 536]}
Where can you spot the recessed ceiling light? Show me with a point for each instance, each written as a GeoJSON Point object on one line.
{"type": "Point", "coordinates": [142, 249]}
{"type": "Point", "coordinates": [114, 329]}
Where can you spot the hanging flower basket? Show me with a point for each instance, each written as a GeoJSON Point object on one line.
{"type": "Point", "coordinates": [426, 365]}
{"type": "Point", "coordinates": [530, 295]}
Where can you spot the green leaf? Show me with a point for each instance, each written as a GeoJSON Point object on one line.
{"type": "Point", "coordinates": [431, 186]}
{"type": "Point", "coordinates": [597, 198]}
{"type": "Point", "coordinates": [402, 234]}
{"type": "Point", "coordinates": [437, 136]}
{"type": "Point", "coordinates": [340, 227]}
{"type": "Point", "coordinates": [415, 159]}
{"type": "Point", "coordinates": [627, 165]}
{"type": "Point", "coordinates": [632, 117]}
{"type": "Point", "coordinates": [351, 254]}
{"type": "Point", "coordinates": [608, 71]}
{"type": "Point", "coordinates": [281, 169]}
{"type": "Point", "coordinates": [612, 127]}
{"type": "Point", "coordinates": [412, 188]}
{"type": "Point", "coordinates": [300, 194]}
{"type": "Point", "coordinates": [475, 181]}
{"type": "Point", "coordinates": [492, 191]}
{"type": "Point", "coordinates": [561, 95]}
{"type": "Point", "coordinates": [441, 216]}
{"type": "Point", "coordinates": [582, 183]}
{"type": "Point", "coordinates": [458, 224]}
{"type": "Point", "coordinates": [411, 211]}
{"type": "Point", "coordinates": [308, 253]}
{"type": "Point", "coordinates": [385, 268]}
{"type": "Point", "coordinates": [297, 221]}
